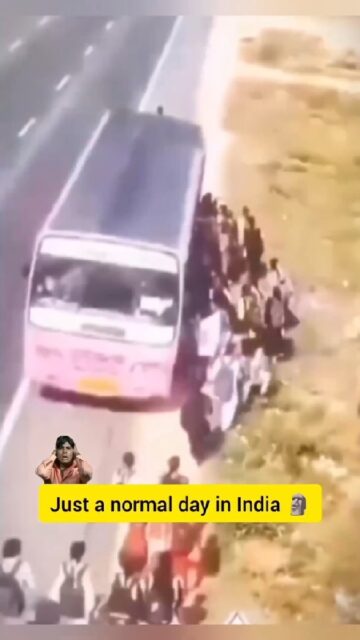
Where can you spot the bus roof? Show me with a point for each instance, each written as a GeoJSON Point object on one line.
{"type": "Point", "coordinates": [140, 185]}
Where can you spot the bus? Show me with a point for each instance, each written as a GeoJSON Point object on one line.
{"type": "Point", "coordinates": [106, 282]}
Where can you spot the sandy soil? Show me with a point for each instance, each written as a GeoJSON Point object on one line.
{"type": "Point", "coordinates": [293, 155]}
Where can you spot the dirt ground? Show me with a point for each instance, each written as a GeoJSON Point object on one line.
{"type": "Point", "coordinates": [294, 159]}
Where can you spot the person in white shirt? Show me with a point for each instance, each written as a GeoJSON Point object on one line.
{"type": "Point", "coordinates": [11, 556]}
{"type": "Point", "coordinates": [126, 473]}
{"type": "Point", "coordinates": [17, 600]}
{"type": "Point", "coordinates": [260, 373]}
{"type": "Point", "coordinates": [78, 571]}
{"type": "Point", "coordinates": [214, 330]}
{"type": "Point", "coordinates": [276, 277]}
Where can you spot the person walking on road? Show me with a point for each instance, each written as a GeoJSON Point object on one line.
{"type": "Point", "coordinates": [65, 465]}
{"type": "Point", "coordinates": [173, 474]}
{"type": "Point", "coordinates": [73, 587]}
{"type": "Point", "coordinates": [126, 473]}
{"type": "Point", "coordinates": [160, 590]}
{"type": "Point", "coordinates": [194, 419]}
{"type": "Point", "coordinates": [134, 552]}
{"type": "Point", "coordinates": [17, 583]}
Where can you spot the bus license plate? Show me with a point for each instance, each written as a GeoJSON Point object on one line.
{"type": "Point", "coordinates": [99, 387]}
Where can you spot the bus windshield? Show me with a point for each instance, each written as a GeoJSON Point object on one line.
{"type": "Point", "coordinates": [109, 290]}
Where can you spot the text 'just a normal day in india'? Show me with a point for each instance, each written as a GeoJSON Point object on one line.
{"type": "Point", "coordinates": [180, 503]}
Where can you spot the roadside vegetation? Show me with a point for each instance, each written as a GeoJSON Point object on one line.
{"type": "Point", "coordinates": [294, 159]}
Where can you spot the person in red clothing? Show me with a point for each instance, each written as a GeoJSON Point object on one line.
{"type": "Point", "coordinates": [133, 555]}
{"type": "Point", "coordinates": [65, 465]}
{"type": "Point", "coordinates": [186, 554]}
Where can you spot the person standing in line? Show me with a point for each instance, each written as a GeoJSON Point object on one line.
{"type": "Point", "coordinates": [260, 373]}
{"type": "Point", "coordinates": [254, 246]}
{"type": "Point", "coordinates": [73, 587]}
{"type": "Point", "coordinates": [223, 232]}
{"type": "Point", "coordinates": [206, 206]}
{"type": "Point", "coordinates": [237, 262]}
{"type": "Point", "coordinates": [65, 465]}
{"type": "Point", "coordinates": [221, 300]}
{"type": "Point", "coordinates": [232, 226]}
{"type": "Point", "coordinates": [249, 313]}
{"type": "Point", "coordinates": [246, 213]}
{"type": "Point", "coordinates": [275, 321]}
{"type": "Point", "coordinates": [277, 277]}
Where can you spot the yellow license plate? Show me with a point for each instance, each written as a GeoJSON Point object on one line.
{"type": "Point", "coordinates": [99, 387]}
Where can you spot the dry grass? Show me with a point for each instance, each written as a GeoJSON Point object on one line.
{"type": "Point", "coordinates": [295, 159]}
{"type": "Point", "coordinates": [296, 154]}
{"type": "Point", "coordinates": [299, 52]}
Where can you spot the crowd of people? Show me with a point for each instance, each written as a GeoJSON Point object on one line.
{"type": "Point", "coordinates": [230, 272]}
{"type": "Point", "coordinates": [160, 570]}
{"type": "Point", "coordinates": [242, 304]}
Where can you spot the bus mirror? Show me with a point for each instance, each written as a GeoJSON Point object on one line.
{"type": "Point", "coordinates": [25, 271]}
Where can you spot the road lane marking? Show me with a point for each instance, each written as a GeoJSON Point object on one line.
{"type": "Point", "coordinates": [26, 128]}
{"type": "Point", "coordinates": [44, 21]}
{"type": "Point", "coordinates": [13, 414]}
{"type": "Point", "coordinates": [160, 63]}
{"type": "Point", "coordinates": [77, 169]}
{"type": "Point", "coordinates": [63, 82]}
{"type": "Point", "coordinates": [88, 51]}
{"type": "Point", "coordinates": [109, 25]}
{"type": "Point", "coordinates": [15, 45]}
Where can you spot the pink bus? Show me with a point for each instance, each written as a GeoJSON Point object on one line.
{"type": "Point", "coordinates": [106, 285]}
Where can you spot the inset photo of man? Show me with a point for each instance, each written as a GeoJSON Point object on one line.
{"type": "Point", "coordinates": [65, 465]}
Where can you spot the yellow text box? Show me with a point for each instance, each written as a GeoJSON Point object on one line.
{"type": "Point", "coordinates": [178, 503]}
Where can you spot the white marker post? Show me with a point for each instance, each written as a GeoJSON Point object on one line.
{"type": "Point", "coordinates": [236, 618]}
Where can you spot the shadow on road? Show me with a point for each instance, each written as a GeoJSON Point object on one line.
{"type": "Point", "coordinates": [116, 405]}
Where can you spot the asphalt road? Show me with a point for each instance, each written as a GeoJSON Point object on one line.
{"type": "Point", "coordinates": [36, 166]}
{"type": "Point", "coordinates": [14, 30]}
{"type": "Point", "coordinates": [139, 62]}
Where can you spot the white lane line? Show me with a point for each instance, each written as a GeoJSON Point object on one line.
{"type": "Point", "coordinates": [109, 25]}
{"type": "Point", "coordinates": [63, 82]}
{"type": "Point", "coordinates": [161, 61]}
{"type": "Point", "coordinates": [15, 45]}
{"type": "Point", "coordinates": [13, 413]}
{"type": "Point", "coordinates": [88, 51]}
{"type": "Point", "coordinates": [44, 21]}
{"type": "Point", "coordinates": [77, 169]}
{"type": "Point", "coordinates": [26, 128]}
